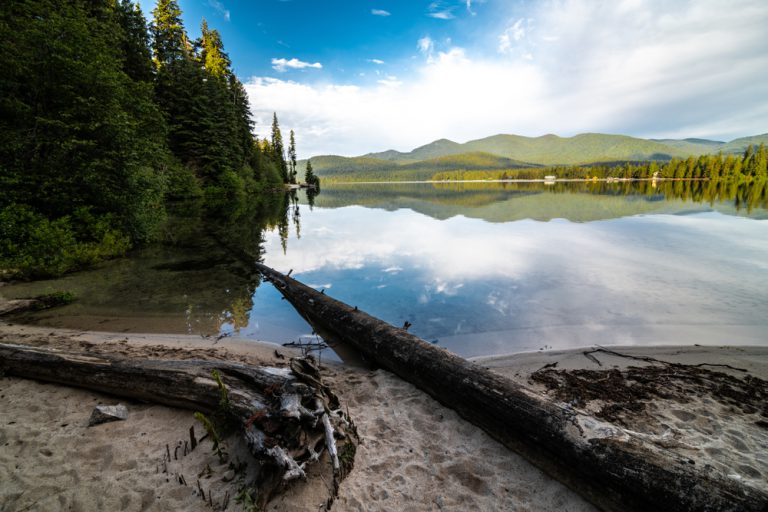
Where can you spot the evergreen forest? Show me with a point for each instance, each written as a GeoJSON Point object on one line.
{"type": "Point", "coordinates": [106, 118]}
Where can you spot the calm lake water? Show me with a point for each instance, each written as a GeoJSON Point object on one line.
{"type": "Point", "coordinates": [480, 268]}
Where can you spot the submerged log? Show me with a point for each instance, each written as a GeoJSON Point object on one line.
{"type": "Point", "coordinates": [276, 409]}
{"type": "Point", "coordinates": [607, 465]}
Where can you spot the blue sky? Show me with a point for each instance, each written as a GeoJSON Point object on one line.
{"type": "Point", "coordinates": [356, 76]}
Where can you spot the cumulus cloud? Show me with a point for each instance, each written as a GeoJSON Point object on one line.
{"type": "Point", "coordinates": [644, 68]}
{"type": "Point", "coordinates": [283, 65]}
{"type": "Point", "coordinates": [380, 12]}
{"type": "Point", "coordinates": [376, 61]}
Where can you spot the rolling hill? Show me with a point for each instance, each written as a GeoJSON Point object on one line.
{"type": "Point", "coordinates": [345, 168]}
{"type": "Point", "coordinates": [516, 152]}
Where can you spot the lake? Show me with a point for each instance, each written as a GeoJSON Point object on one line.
{"type": "Point", "coordinates": [479, 268]}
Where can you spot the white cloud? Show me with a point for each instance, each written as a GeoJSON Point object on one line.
{"type": "Point", "coordinates": [390, 81]}
{"type": "Point", "coordinates": [282, 65]}
{"type": "Point", "coordinates": [220, 8]}
{"type": "Point", "coordinates": [380, 12]}
{"type": "Point", "coordinates": [376, 61]}
{"type": "Point", "coordinates": [511, 35]}
{"type": "Point", "coordinates": [440, 11]}
{"type": "Point", "coordinates": [442, 15]}
{"type": "Point", "coordinates": [640, 68]}
{"type": "Point", "coordinates": [426, 46]}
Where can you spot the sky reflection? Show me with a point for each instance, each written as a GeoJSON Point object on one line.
{"type": "Point", "coordinates": [478, 287]}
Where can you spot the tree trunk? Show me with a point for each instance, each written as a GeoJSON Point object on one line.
{"type": "Point", "coordinates": [598, 460]}
{"type": "Point", "coordinates": [277, 409]}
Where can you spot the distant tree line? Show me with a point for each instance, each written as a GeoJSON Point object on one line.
{"type": "Point", "coordinates": [753, 164]}
{"type": "Point", "coordinates": [104, 118]}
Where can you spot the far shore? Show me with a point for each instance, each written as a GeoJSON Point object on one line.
{"type": "Point", "coordinates": [415, 454]}
{"type": "Point", "coordinates": [556, 180]}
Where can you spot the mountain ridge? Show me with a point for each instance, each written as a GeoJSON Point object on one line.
{"type": "Point", "coordinates": [517, 151]}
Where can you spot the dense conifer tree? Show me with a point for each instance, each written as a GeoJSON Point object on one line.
{"type": "Point", "coordinates": [169, 40]}
{"type": "Point", "coordinates": [278, 151]}
{"type": "Point", "coordinates": [96, 122]}
{"type": "Point", "coordinates": [292, 157]}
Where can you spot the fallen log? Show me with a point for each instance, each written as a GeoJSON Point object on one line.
{"type": "Point", "coordinates": [607, 465]}
{"type": "Point", "coordinates": [278, 410]}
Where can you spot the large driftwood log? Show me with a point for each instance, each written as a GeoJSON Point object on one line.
{"type": "Point", "coordinates": [603, 463]}
{"type": "Point", "coordinates": [278, 409]}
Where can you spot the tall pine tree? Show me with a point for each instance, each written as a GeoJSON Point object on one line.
{"type": "Point", "coordinates": [292, 157]}
{"type": "Point", "coordinates": [278, 151]}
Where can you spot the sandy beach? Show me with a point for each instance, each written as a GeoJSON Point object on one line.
{"type": "Point", "coordinates": [414, 454]}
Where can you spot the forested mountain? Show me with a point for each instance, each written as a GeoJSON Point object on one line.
{"type": "Point", "coordinates": [103, 118]}
{"type": "Point", "coordinates": [514, 152]}
{"type": "Point", "coordinates": [377, 169]}
{"type": "Point", "coordinates": [581, 149]}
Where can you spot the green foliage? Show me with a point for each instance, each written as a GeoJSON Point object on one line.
{"type": "Point", "coordinates": [278, 151]}
{"type": "Point", "coordinates": [244, 498]}
{"type": "Point", "coordinates": [481, 166]}
{"type": "Point", "coordinates": [94, 120]}
{"type": "Point", "coordinates": [292, 158]}
{"type": "Point", "coordinates": [212, 433]}
{"type": "Point", "coordinates": [60, 298]}
{"type": "Point", "coordinates": [169, 40]}
{"type": "Point", "coordinates": [513, 152]}
{"type": "Point", "coordinates": [222, 419]}
{"type": "Point", "coordinates": [76, 130]}
{"type": "Point", "coordinates": [137, 59]}
{"type": "Point", "coordinates": [31, 245]}
{"type": "Point", "coordinates": [212, 55]}
{"type": "Point", "coordinates": [372, 169]}
{"type": "Point", "coordinates": [224, 405]}
{"type": "Point", "coordinates": [310, 178]}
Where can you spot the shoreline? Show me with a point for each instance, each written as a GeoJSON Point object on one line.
{"type": "Point", "coordinates": [537, 180]}
{"type": "Point", "coordinates": [414, 453]}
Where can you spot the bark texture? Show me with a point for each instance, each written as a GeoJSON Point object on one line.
{"type": "Point", "coordinates": [605, 464]}
{"type": "Point", "coordinates": [278, 410]}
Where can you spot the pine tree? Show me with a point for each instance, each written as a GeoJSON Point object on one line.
{"type": "Point", "coordinates": [169, 40]}
{"type": "Point", "coordinates": [215, 61]}
{"type": "Point", "coordinates": [292, 156]}
{"type": "Point", "coordinates": [310, 178]}
{"type": "Point", "coordinates": [137, 56]}
{"type": "Point", "coordinates": [82, 143]}
{"type": "Point", "coordinates": [278, 151]}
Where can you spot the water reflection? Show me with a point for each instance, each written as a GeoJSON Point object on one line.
{"type": "Point", "coordinates": [198, 281]}
{"type": "Point", "coordinates": [479, 268]}
{"type": "Point", "coordinates": [575, 201]}
{"type": "Point", "coordinates": [619, 263]}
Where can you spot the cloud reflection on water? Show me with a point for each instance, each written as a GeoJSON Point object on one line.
{"type": "Point", "coordinates": [481, 287]}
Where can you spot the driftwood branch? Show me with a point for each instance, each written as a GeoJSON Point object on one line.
{"type": "Point", "coordinates": [596, 459]}
{"type": "Point", "coordinates": [275, 408]}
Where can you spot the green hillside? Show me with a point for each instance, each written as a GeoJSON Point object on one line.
{"type": "Point", "coordinates": [547, 149]}
{"type": "Point", "coordinates": [329, 165]}
{"type": "Point", "coordinates": [693, 146]}
{"type": "Point", "coordinates": [438, 148]}
{"type": "Point", "coordinates": [739, 145]}
{"type": "Point", "coordinates": [374, 169]}
{"type": "Point", "coordinates": [509, 152]}
{"type": "Point", "coordinates": [581, 149]}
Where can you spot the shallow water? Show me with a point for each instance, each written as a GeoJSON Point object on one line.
{"type": "Point", "coordinates": [477, 268]}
